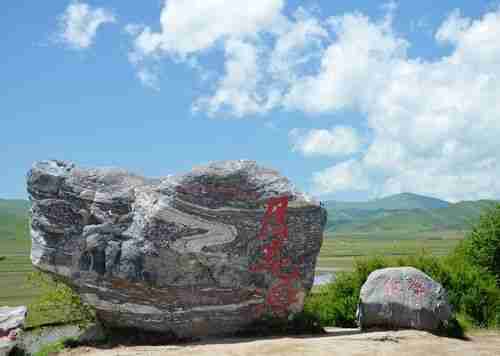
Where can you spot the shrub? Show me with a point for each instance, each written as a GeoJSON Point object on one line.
{"type": "Point", "coordinates": [57, 303]}
{"type": "Point", "coordinates": [472, 293]}
{"type": "Point", "coordinates": [481, 246]}
{"type": "Point", "coordinates": [335, 303]}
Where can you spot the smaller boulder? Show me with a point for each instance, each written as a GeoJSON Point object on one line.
{"type": "Point", "coordinates": [403, 298]}
{"type": "Point", "coordinates": [11, 322]}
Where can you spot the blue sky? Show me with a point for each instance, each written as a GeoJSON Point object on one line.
{"type": "Point", "coordinates": [349, 99]}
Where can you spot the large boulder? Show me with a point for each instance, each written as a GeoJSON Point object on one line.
{"type": "Point", "coordinates": [207, 252]}
{"type": "Point", "coordinates": [11, 322]}
{"type": "Point", "coordinates": [401, 298]}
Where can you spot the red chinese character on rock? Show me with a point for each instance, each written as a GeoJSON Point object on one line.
{"type": "Point", "coordinates": [282, 293]}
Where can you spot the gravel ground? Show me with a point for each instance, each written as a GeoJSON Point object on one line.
{"type": "Point", "coordinates": [345, 342]}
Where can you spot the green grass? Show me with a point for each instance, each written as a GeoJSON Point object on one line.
{"type": "Point", "coordinates": [14, 269]}
{"type": "Point", "coordinates": [340, 250]}
{"type": "Point", "coordinates": [337, 253]}
{"type": "Point", "coordinates": [15, 265]}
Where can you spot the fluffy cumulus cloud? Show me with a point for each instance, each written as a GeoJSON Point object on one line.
{"type": "Point", "coordinates": [348, 175]}
{"type": "Point", "coordinates": [238, 87]}
{"type": "Point", "coordinates": [352, 68]}
{"type": "Point", "coordinates": [435, 123]}
{"type": "Point", "coordinates": [192, 26]}
{"type": "Point", "coordinates": [432, 125]}
{"type": "Point", "coordinates": [339, 141]}
{"type": "Point", "coordinates": [242, 30]}
{"type": "Point", "coordinates": [79, 23]}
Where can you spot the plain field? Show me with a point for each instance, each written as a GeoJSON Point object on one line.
{"type": "Point", "coordinates": [337, 253]}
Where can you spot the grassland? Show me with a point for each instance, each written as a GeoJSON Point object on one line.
{"type": "Point", "coordinates": [15, 249]}
{"type": "Point", "coordinates": [340, 250]}
{"type": "Point", "coordinates": [14, 269]}
{"type": "Point", "coordinates": [337, 253]}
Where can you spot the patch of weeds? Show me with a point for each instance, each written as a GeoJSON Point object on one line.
{"type": "Point", "coordinates": [57, 303]}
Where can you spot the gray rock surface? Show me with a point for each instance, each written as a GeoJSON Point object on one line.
{"type": "Point", "coordinates": [207, 252]}
{"type": "Point", "coordinates": [6, 346]}
{"type": "Point", "coordinates": [399, 298]}
{"type": "Point", "coordinates": [11, 323]}
{"type": "Point", "coordinates": [33, 340]}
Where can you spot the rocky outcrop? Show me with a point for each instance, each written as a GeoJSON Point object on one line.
{"type": "Point", "coordinates": [399, 298]}
{"type": "Point", "coordinates": [11, 323]}
{"type": "Point", "coordinates": [207, 252]}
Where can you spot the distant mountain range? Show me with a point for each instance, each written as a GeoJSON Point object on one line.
{"type": "Point", "coordinates": [403, 212]}
{"type": "Point", "coordinates": [403, 201]}
{"type": "Point", "coordinates": [13, 218]}
{"type": "Point", "coordinates": [16, 207]}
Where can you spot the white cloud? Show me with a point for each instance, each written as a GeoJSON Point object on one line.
{"type": "Point", "coordinates": [435, 123]}
{"type": "Point", "coordinates": [348, 175]}
{"type": "Point", "coordinates": [191, 26]}
{"type": "Point", "coordinates": [257, 72]}
{"type": "Point", "coordinates": [133, 29]}
{"type": "Point", "coordinates": [453, 27]}
{"type": "Point", "coordinates": [237, 88]}
{"type": "Point", "coordinates": [149, 77]}
{"type": "Point", "coordinates": [363, 53]}
{"type": "Point", "coordinates": [339, 141]}
{"type": "Point", "coordinates": [300, 41]}
{"type": "Point", "coordinates": [79, 23]}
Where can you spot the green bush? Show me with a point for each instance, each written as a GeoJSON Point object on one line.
{"type": "Point", "coordinates": [57, 303]}
{"type": "Point", "coordinates": [470, 275]}
{"type": "Point", "coordinates": [472, 293]}
{"type": "Point", "coordinates": [335, 303]}
{"type": "Point", "coordinates": [481, 246]}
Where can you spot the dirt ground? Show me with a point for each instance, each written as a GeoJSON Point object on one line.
{"type": "Point", "coordinates": [343, 342]}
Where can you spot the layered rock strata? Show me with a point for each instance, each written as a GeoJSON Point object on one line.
{"type": "Point", "coordinates": [207, 252]}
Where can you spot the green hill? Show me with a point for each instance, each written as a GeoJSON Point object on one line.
{"type": "Point", "coordinates": [16, 207]}
{"type": "Point", "coordinates": [13, 219]}
{"type": "Point", "coordinates": [393, 226]}
{"type": "Point", "coordinates": [389, 214]}
{"type": "Point", "coordinates": [403, 201]}
{"type": "Point", "coordinates": [401, 212]}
